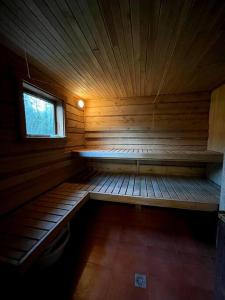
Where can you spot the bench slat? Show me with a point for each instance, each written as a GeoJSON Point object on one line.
{"type": "Point", "coordinates": [66, 193]}
{"type": "Point", "coordinates": [49, 210]}
{"type": "Point", "coordinates": [11, 253]}
{"type": "Point", "coordinates": [38, 215]}
{"type": "Point", "coordinates": [25, 233]}
{"type": "Point", "coordinates": [16, 242]}
{"type": "Point", "coordinates": [21, 230]}
{"type": "Point", "coordinates": [61, 200]}
{"type": "Point", "coordinates": [55, 205]}
{"type": "Point", "coordinates": [34, 223]}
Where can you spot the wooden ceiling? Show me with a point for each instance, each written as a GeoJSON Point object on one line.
{"type": "Point", "coordinates": [122, 48]}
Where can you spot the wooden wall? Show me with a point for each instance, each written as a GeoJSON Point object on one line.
{"type": "Point", "coordinates": [29, 167]}
{"type": "Point", "coordinates": [222, 193]}
{"type": "Point", "coordinates": [175, 122]}
{"type": "Point", "coordinates": [148, 167]}
{"type": "Point", "coordinates": [216, 141]}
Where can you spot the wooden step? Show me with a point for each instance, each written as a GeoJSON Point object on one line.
{"type": "Point", "coordinates": [145, 154]}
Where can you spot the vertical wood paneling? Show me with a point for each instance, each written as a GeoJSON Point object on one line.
{"type": "Point", "coordinates": [122, 48]}
{"type": "Point", "coordinates": [216, 141]}
{"type": "Point", "coordinates": [222, 193]}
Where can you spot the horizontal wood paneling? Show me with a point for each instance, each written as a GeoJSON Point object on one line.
{"type": "Point", "coordinates": [157, 168]}
{"type": "Point", "coordinates": [32, 166]}
{"type": "Point", "coordinates": [216, 141]}
{"type": "Point", "coordinates": [174, 122]}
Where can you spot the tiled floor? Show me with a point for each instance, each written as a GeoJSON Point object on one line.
{"type": "Point", "coordinates": [110, 242]}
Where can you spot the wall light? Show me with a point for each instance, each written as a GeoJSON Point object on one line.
{"type": "Point", "coordinates": [80, 103]}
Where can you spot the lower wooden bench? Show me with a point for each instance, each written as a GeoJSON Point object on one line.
{"type": "Point", "coordinates": [25, 233]}
{"type": "Point", "coordinates": [192, 193]}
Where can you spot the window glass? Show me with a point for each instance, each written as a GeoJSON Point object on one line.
{"type": "Point", "coordinates": [39, 115]}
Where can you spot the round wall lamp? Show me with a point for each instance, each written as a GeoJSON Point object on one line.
{"type": "Point", "coordinates": [80, 104]}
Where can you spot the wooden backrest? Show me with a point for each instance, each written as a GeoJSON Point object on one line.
{"type": "Point", "coordinates": [175, 122]}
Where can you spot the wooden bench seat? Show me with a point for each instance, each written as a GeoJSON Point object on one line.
{"type": "Point", "coordinates": [165, 191]}
{"type": "Point", "coordinates": [26, 232]}
{"type": "Point", "coordinates": [145, 154]}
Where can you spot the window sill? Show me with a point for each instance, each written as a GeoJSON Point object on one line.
{"type": "Point", "coordinates": [44, 138]}
{"type": "Point", "coordinates": [50, 137]}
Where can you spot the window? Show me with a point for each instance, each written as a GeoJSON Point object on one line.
{"type": "Point", "coordinates": [44, 114]}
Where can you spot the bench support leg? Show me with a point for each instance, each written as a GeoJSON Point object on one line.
{"type": "Point", "coordinates": [137, 167]}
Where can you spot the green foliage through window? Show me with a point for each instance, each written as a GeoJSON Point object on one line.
{"type": "Point", "coordinates": [39, 115]}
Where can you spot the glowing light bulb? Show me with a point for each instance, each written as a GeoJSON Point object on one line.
{"type": "Point", "coordinates": [80, 103]}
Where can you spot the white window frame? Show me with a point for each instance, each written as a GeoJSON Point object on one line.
{"type": "Point", "coordinates": [59, 110]}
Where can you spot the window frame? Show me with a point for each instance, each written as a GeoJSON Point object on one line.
{"type": "Point", "coordinates": [59, 116]}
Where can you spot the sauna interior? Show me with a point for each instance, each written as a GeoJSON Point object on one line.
{"type": "Point", "coordinates": [112, 134]}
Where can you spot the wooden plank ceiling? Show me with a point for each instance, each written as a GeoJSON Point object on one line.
{"type": "Point", "coordinates": [121, 48]}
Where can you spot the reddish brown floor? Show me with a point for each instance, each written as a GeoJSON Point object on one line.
{"type": "Point", "coordinates": [110, 242]}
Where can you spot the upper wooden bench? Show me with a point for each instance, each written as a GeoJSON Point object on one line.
{"type": "Point", "coordinates": [25, 233]}
{"type": "Point", "coordinates": [144, 154]}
